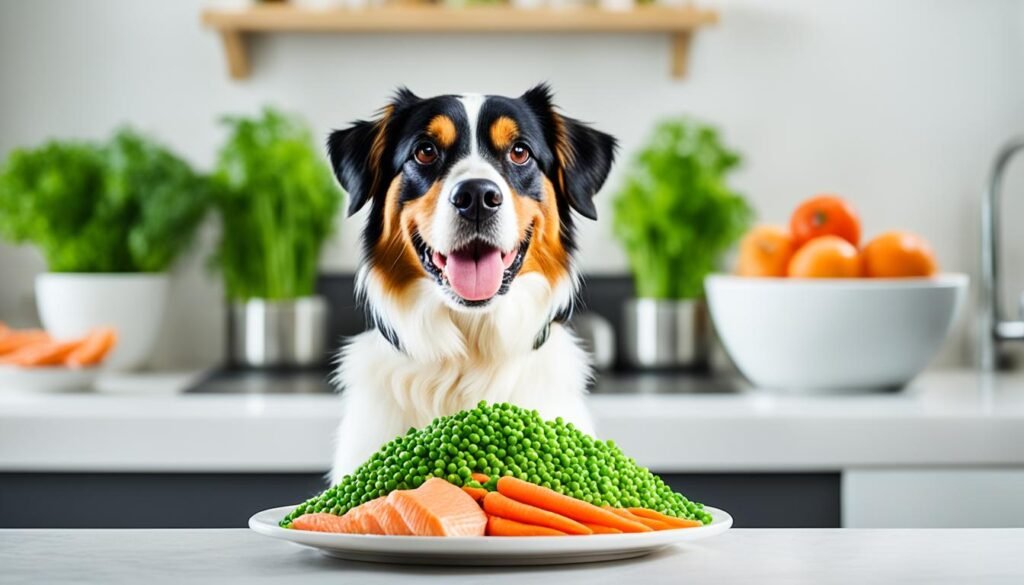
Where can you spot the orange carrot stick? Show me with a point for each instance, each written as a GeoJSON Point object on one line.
{"type": "Point", "coordinates": [552, 501]}
{"type": "Point", "coordinates": [498, 504]}
{"type": "Point", "coordinates": [480, 477]}
{"type": "Point", "coordinates": [497, 526]}
{"type": "Point", "coordinates": [671, 520]}
{"type": "Point", "coordinates": [15, 340]}
{"type": "Point", "coordinates": [476, 493]}
{"type": "Point", "coordinates": [46, 353]}
{"type": "Point", "coordinates": [601, 529]}
{"type": "Point", "coordinates": [648, 522]}
{"type": "Point", "coordinates": [93, 348]}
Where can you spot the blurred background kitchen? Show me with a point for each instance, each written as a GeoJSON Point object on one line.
{"type": "Point", "coordinates": [187, 116]}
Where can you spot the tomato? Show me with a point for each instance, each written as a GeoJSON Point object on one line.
{"type": "Point", "coordinates": [765, 251]}
{"type": "Point", "coordinates": [824, 215]}
{"type": "Point", "coordinates": [826, 257]}
{"type": "Point", "coordinates": [899, 254]}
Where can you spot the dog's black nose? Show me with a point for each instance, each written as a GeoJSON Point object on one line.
{"type": "Point", "coordinates": [476, 199]}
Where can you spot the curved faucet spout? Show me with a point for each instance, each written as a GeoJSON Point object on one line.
{"type": "Point", "coordinates": [995, 328]}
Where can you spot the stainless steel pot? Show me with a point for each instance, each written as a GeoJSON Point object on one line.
{"type": "Point", "coordinates": [666, 334]}
{"type": "Point", "coordinates": [264, 333]}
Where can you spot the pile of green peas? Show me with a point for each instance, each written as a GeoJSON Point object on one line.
{"type": "Point", "coordinates": [499, 440]}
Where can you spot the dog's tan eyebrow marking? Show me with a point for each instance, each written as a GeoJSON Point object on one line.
{"type": "Point", "coordinates": [442, 129]}
{"type": "Point", "coordinates": [504, 130]}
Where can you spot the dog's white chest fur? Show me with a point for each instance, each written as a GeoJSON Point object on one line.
{"type": "Point", "coordinates": [451, 361]}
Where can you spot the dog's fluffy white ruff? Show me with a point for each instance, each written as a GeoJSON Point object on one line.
{"type": "Point", "coordinates": [452, 359]}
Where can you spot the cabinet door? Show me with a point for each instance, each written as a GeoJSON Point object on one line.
{"type": "Point", "coordinates": [933, 498]}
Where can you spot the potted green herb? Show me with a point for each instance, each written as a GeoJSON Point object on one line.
{"type": "Point", "coordinates": [278, 202]}
{"type": "Point", "coordinates": [109, 218]}
{"type": "Point", "coordinates": [676, 216]}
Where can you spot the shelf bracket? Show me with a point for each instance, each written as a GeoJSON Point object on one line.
{"type": "Point", "coordinates": [236, 51]}
{"type": "Point", "coordinates": [680, 52]}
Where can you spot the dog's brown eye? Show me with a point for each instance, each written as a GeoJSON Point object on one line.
{"type": "Point", "coordinates": [426, 153]}
{"type": "Point", "coordinates": [519, 154]}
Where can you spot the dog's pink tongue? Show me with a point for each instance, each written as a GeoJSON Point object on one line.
{"type": "Point", "coordinates": [475, 275]}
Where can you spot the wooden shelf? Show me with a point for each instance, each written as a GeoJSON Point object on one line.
{"type": "Point", "coordinates": [235, 25]}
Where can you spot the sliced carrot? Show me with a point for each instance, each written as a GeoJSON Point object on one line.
{"type": "Point", "coordinates": [477, 493]}
{"type": "Point", "coordinates": [671, 520]}
{"type": "Point", "coordinates": [601, 529]}
{"type": "Point", "coordinates": [480, 477]}
{"type": "Point", "coordinates": [498, 526]}
{"type": "Point", "coordinates": [93, 349]}
{"type": "Point", "coordinates": [498, 504]}
{"type": "Point", "coordinates": [14, 340]}
{"type": "Point", "coordinates": [552, 501]}
{"type": "Point", "coordinates": [648, 522]}
{"type": "Point", "coordinates": [46, 353]}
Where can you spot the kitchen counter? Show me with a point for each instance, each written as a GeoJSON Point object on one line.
{"type": "Point", "coordinates": [820, 557]}
{"type": "Point", "coordinates": [143, 423]}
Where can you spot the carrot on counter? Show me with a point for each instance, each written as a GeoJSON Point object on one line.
{"type": "Point", "coordinates": [12, 340]}
{"type": "Point", "coordinates": [601, 529]}
{"type": "Point", "coordinates": [45, 353]}
{"type": "Point", "coordinates": [552, 501]}
{"type": "Point", "coordinates": [670, 520]}
{"type": "Point", "coordinates": [93, 348]}
{"type": "Point", "coordinates": [648, 522]}
{"type": "Point", "coordinates": [498, 526]}
{"type": "Point", "coordinates": [498, 504]}
{"type": "Point", "coordinates": [475, 492]}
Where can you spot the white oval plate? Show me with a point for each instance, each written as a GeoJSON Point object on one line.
{"type": "Point", "coordinates": [47, 379]}
{"type": "Point", "coordinates": [485, 550]}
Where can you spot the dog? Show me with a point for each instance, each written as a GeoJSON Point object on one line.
{"type": "Point", "coordinates": [467, 271]}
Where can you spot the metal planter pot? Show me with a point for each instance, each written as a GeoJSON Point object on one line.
{"type": "Point", "coordinates": [267, 334]}
{"type": "Point", "coordinates": [666, 334]}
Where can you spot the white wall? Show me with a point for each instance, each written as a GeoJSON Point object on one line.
{"type": "Point", "coordinates": [897, 105]}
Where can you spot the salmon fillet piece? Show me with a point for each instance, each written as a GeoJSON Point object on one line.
{"type": "Point", "coordinates": [438, 508]}
{"type": "Point", "coordinates": [319, 522]}
{"type": "Point", "coordinates": [391, 521]}
{"type": "Point", "coordinates": [368, 517]}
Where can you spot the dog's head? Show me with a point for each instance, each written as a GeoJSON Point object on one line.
{"type": "Point", "coordinates": [470, 192]}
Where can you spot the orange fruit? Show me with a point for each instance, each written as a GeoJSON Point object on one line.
{"type": "Point", "coordinates": [826, 257]}
{"type": "Point", "coordinates": [898, 254]}
{"type": "Point", "coordinates": [824, 215]}
{"type": "Point", "coordinates": [765, 251]}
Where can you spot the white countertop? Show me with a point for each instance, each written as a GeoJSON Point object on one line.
{"type": "Point", "coordinates": [819, 557]}
{"type": "Point", "coordinates": [143, 423]}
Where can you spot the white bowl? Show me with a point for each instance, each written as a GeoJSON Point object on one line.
{"type": "Point", "coordinates": [70, 304]}
{"type": "Point", "coordinates": [833, 334]}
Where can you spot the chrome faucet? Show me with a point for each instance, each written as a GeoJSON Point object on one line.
{"type": "Point", "coordinates": [995, 328]}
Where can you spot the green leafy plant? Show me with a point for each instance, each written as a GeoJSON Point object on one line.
{"type": "Point", "coordinates": [278, 202]}
{"type": "Point", "coordinates": [125, 205]}
{"type": "Point", "coordinates": [676, 215]}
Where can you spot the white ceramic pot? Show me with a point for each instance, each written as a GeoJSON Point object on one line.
{"type": "Point", "coordinates": [833, 335]}
{"type": "Point", "coordinates": [70, 304]}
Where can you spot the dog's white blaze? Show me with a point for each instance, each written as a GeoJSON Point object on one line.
{"type": "Point", "coordinates": [472, 102]}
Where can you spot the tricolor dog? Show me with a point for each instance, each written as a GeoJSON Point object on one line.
{"type": "Point", "coordinates": [468, 261]}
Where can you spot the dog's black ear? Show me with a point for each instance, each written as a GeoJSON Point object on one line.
{"type": "Point", "coordinates": [359, 155]}
{"type": "Point", "coordinates": [354, 166]}
{"type": "Point", "coordinates": [583, 155]}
